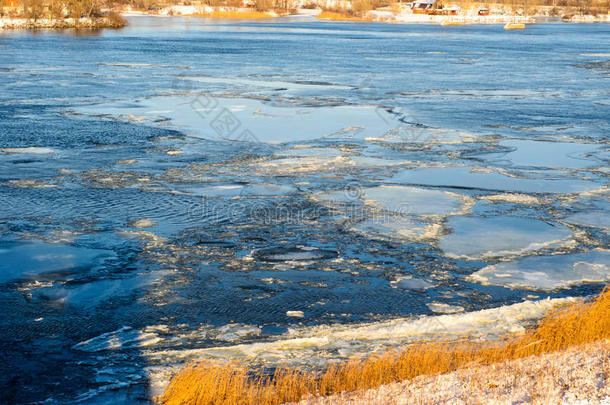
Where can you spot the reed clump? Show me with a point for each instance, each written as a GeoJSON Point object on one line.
{"type": "Point", "coordinates": [211, 382]}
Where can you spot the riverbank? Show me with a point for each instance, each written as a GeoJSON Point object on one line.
{"type": "Point", "coordinates": [577, 375]}
{"type": "Point", "coordinates": [563, 329]}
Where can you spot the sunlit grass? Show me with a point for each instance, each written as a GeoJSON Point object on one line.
{"type": "Point", "coordinates": [211, 382]}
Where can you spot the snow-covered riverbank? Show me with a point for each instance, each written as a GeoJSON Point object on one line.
{"type": "Point", "coordinates": [113, 21]}
{"type": "Point", "coordinates": [577, 375]}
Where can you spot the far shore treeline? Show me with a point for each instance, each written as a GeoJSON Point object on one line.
{"type": "Point", "coordinates": [109, 9]}
{"type": "Point", "coordinates": [98, 12]}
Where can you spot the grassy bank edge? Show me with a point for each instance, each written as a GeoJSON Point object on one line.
{"type": "Point", "coordinates": [211, 382]}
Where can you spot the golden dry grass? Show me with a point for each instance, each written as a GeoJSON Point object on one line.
{"type": "Point", "coordinates": [234, 14]}
{"type": "Point", "coordinates": [336, 16]}
{"type": "Point", "coordinates": [221, 383]}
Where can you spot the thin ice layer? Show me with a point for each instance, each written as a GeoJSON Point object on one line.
{"type": "Point", "coordinates": [466, 177]}
{"type": "Point", "coordinates": [242, 119]}
{"type": "Point", "coordinates": [412, 200]}
{"type": "Point", "coordinates": [480, 237]}
{"type": "Point", "coordinates": [30, 260]}
{"type": "Point", "coordinates": [550, 154]}
{"type": "Point", "coordinates": [411, 229]}
{"type": "Point", "coordinates": [594, 219]}
{"type": "Point", "coordinates": [547, 272]}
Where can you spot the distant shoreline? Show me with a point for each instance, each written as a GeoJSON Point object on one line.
{"type": "Point", "coordinates": [371, 16]}
{"type": "Point", "coordinates": [115, 19]}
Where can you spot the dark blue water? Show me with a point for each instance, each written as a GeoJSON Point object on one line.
{"type": "Point", "coordinates": [184, 184]}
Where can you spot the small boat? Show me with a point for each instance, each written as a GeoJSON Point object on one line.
{"type": "Point", "coordinates": [514, 26]}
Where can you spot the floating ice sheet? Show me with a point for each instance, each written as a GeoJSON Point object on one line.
{"type": "Point", "coordinates": [410, 283]}
{"type": "Point", "coordinates": [89, 295]}
{"type": "Point", "coordinates": [32, 150]}
{"type": "Point", "coordinates": [595, 219]}
{"type": "Point", "coordinates": [550, 154]}
{"type": "Point", "coordinates": [514, 198]}
{"type": "Point", "coordinates": [408, 228]}
{"type": "Point", "coordinates": [547, 272]}
{"type": "Point", "coordinates": [478, 237]}
{"type": "Point", "coordinates": [467, 177]}
{"type": "Point", "coordinates": [243, 119]}
{"type": "Point", "coordinates": [234, 331]}
{"type": "Point", "coordinates": [412, 200]}
{"type": "Point", "coordinates": [443, 308]}
{"type": "Point", "coordinates": [31, 260]}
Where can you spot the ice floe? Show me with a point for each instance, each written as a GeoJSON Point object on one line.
{"type": "Point", "coordinates": [514, 198]}
{"type": "Point", "coordinates": [295, 314]}
{"type": "Point", "coordinates": [595, 219]}
{"type": "Point", "coordinates": [232, 332]}
{"type": "Point", "coordinates": [243, 119]}
{"type": "Point", "coordinates": [443, 308]}
{"type": "Point", "coordinates": [32, 150]}
{"type": "Point", "coordinates": [46, 260]}
{"type": "Point", "coordinates": [535, 153]}
{"type": "Point", "coordinates": [481, 237]}
{"type": "Point", "coordinates": [471, 177]}
{"type": "Point", "coordinates": [407, 228]}
{"type": "Point", "coordinates": [412, 200]}
{"type": "Point", "coordinates": [91, 294]}
{"type": "Point", "coordinates": [547, 272]}
{"type": "Point", "coordinates": [143, 223]}
{"type": "Point", "coordinates": [410, 283]}
{"type": "Point", "coordinates": [29, 183]}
